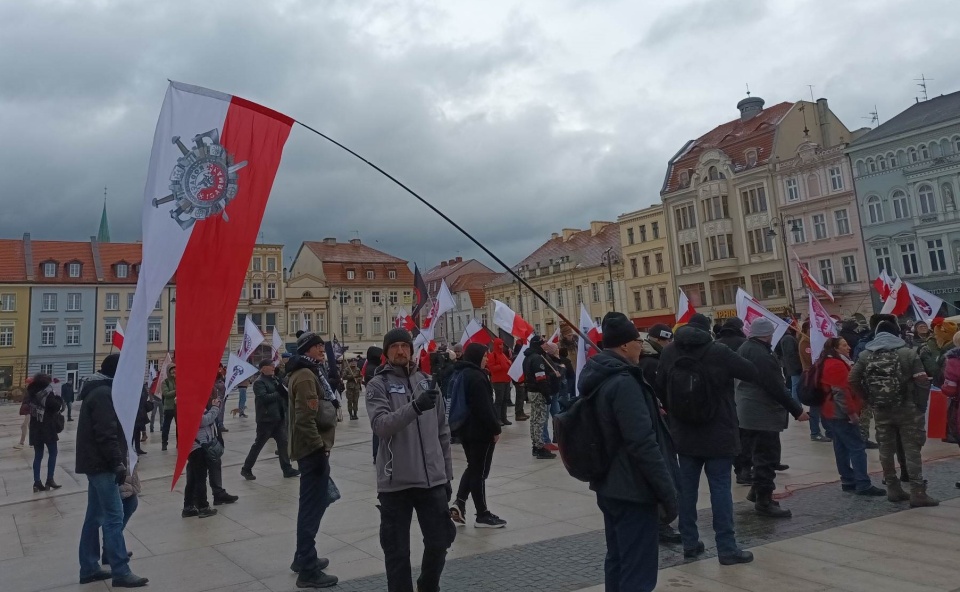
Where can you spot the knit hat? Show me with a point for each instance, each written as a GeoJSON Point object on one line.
{"type": "Point", "coordinates": [734, 323]}
{"type": "Point", "coordinates": [551, 348]}
{"type": "Point", "coordinates": [457, 348]}
{"type": "Point", "coordinates": [660, 331]}
{"type": "Point", "coordinates": [885, 326]}
{"type": "Point", "coordinates": [700, 321]}
{"type": "Point", "coordinates": [762, 327]}
{"type": "Point", "coordinates": [618, 330]}
{"type": "Point", "coordinates": [264, 362]}
{"type": "Point", "coordinates": [108, 367]}
{"type": "Point", "coordinates": [876, 319]}
{"type": "Point", "coordinates": [307, 340]}
{"type": "Point", "coordinates": [397, 335]}
{"type": "Point", "coordinates": [475, 353]}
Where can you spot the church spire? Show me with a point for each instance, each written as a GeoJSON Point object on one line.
{"type": "Point", "coordinates": [103, 235]}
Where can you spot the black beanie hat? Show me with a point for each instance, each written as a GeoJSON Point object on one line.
{"type": "Point", "coordinates": [108, 367]}
{"type": "Point", "coordinates": [308, 340]}
{"type": "Point", "coordinates": [474, 353]}
{"type": "Point", "coordinates": [396, 335]}
{"type": "Point", "coordinates": [701, 322]}
{"type": "Point", "coordinates": [876, 319]}
{"type": "Point", "coordinates": [734, 323]}
{"type": "Point", "coordinates": [887, 327]}
{"type": "Point", "coordinates": [618, 330]}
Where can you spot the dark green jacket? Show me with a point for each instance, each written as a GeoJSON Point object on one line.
{"type": "Point", "coordinates": [169, 389]}
{"type": "Point", "coordinates": [312, 420]}
{"type": "Point", "coordinates": [270, 399]}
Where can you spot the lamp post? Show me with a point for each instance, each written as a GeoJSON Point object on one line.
{"type": "Point", "coordinates": [781, 222]}
{"type": "Point", "coordinates": [608, 258]}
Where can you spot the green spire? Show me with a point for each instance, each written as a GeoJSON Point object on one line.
{"type": "Point", "coordinates": [103, 235]}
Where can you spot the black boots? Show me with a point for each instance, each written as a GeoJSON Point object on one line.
{"type": "Point", "coordinates": [543, 454]}
{"type": "Point", "coordinates": [765, 506]}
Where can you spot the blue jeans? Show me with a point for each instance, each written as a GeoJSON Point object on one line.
{"type": "Point", "coordinates": [243, 398]}
{"type": "Point", "coordinates": [632, 545]}
{"type": "Point", "coordinates": [721, 501]}
{"type": "Point", "coordinates": [553, 408]}
{"type": "Point", "coordinates": [38, 459]}
{"type": "Point", "coordinates": [850, 452]}
{"type": "Point", "coordinates": [104, 510]}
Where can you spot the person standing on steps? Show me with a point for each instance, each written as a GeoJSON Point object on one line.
{"type": "Point", "coordinates": [270, 402]}
{"type": "Point", "coordinates": [169, 396]}
{"type": "Point", "coordinates": [414, 465]}
{"type": "Point", "coordinates": [353, 380]}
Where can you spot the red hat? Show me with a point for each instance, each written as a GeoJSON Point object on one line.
{"type": "Point", "coordinates": [936, 322]}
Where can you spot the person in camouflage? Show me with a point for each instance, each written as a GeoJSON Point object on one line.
{"type": "Point", "coordinates": [352, 378]}
{"type": "Point", "coordinates": [890, 375]}
{"type": "Point", "coordinates": [543, 383]}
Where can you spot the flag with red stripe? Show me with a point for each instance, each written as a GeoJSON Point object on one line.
{"type": "Point", "coordinates": [214, 160]}
{"type": "Point", "coordinates": [685, 310]}
{"type": "Point", "coordinates": [811, 282]}
{"type": "Point", "coordinates": [117, 338]}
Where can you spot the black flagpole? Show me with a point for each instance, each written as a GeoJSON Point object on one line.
{"type": "Point", "coordinates": [575, 327]}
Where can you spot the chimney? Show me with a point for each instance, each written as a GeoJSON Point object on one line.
{"type": "Point", "coordinates": [330, 241]}
{"type": "Point", "coordinates": [596, 227]}
{"type": "Point", "coordinates": [354, 241]}
{"type": "Point", "coordinates": [750, 107]}
{"type": "Point", "coordinates": [28, 256]}
{"type": "Point", "coordinates": [459, 260]}
{"type": "Point", "coordinates": [568, 232]}
{"type": "Point", "coordinates": [443, 264]}
{"type": "Point", "coordinates": [554, 235]}
{"type": "Point", "coordinates": [823, 114]}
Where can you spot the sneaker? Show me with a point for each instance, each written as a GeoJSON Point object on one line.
{"type": "Point", "coordinates": [456, 514]}
{"type": "Point", "coordinates": [543, 454]}
{"type": "Point", "coordinates": [129, 581]}
{"type": "Point", "coordinates": [489, 520]}
{"type": "Point", "coordinates": [738, 557]}
{"type": "Point", "coordinates": [189, 512]}
{"type": "Point", "coordinates": [872, 491]}
{"type": "Point", "coordinates": [871, 445]}
{"type": "Point", "coordinates": [242, 414]}
{"type": "Point", "coordinates": [700, 549]}
{"type": "Point", "coordinates": [224, 498]}
{"type": "Point", "coordinates": [506, 422]}
{"type": "Point", "coordinates": [819, 438]}
{"type": "Point", "coordinates": [247, 474]}
{"type": "Point", "coordinates": [206, 512]}
{"type": "Point", "coordinates": [291, 473]}
{"type": "Point", "coordinates": [551, 447]}
{"type": "Point", "coordinates": [315, 579]}
{"type": "Point", "coordinates": [322, 564]}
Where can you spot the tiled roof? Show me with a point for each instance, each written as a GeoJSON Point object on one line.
{"type": "Point", "coordinates": [12, 266]}
{"type": "Point", "coordinates": [473, 283]}
{"type": "Point", "coordinates": [336, 273]}
{"type": "Point", "coordinates": [733, 138]}
{"type": "Point", "coordinates": [350, 253]}
{"type": "Point", "coordinates": [113, 253]}
{"type": "Point", "coordinates": [442, 270]}
{"type": "Point", "coordinates": [63, 252]}
{"type": "Point", "coordinates": [925, 113]}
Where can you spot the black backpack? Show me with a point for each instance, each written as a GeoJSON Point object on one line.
{"type": "Point", "coordinates": [576, 431]}
{"type": "Point", "coordinates": [810, 392]}
{"type": "Point", "coordinates": [689, 394]}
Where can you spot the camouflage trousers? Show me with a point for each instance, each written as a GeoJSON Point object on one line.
{"type": "Point", "coordinates": [866, 417]}
{"type": "Point", "coordinates": [353, 396]}
{"type": "Point", "coordinates": [908, 423]}
{"type": "Point", "coordinates": [538, 418]}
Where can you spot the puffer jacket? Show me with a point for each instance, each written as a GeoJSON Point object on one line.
{"type": "Point", "coordinates": [208, 428]}
{"type": "Point", "coordinates": [840, 401]}
{"type": "Point", "coordinates": [498, 363]}
{"type": "Point", "coordinates": [763, 405]}
{"type": "Point", "coordinates": [270, 399]}
{"type": "Point", "coordinates": [414, 450]}
{"type": "Point", "coordinates": [312, 420]}
{"type": "Point", "coordinates": [169, 393]}
{"type": "Point", "coordinates": [101, 446]}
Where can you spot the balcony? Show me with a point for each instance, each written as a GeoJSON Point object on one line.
{"type": "Point", "coordinates": [719, 267]}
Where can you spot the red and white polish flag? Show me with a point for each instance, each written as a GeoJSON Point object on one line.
{"type": "Point", "coordinates": [898, 300]}
{"type": "Point", "coordinates": [117, 338]}
{"type": "Point", "coordinates": [685, 310]}
{"type": "Point", "coordinates": [822, 326]}
{"type": "Point", "coordinates": [511, 322]}
{"type": "Point", "coordinates": [474, 332]}
{"type": "Point", "coordinates": [811, 282]}
{"type": "Point", "coordinates": [589, 328]}
{"type": "Point", "coordinates": [213, 163]}
{"type": "Point", "coordinates": [883, 285]}
{"type": "Point", "coordinates": [749, 309]}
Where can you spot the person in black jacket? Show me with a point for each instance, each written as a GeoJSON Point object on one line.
{"type": "Point", "coordinates": [478, 436]}
{"type": "Point", "coordinates": [67, 393]}
{"type": "Point", "coordinates": [708, 448]}
{"type": "Point", "coordinates": [45, 412]}
{"type": "Point", "coordinates": [731, 333]}
{"type": "Point", "coordinates": [270, 402]}
{"type": "Point", "coordinates": [102, 457]}
{"type": "Point", "coordinates": [639, 483]}
{"type": "Point", "coordinates": [543, 383]}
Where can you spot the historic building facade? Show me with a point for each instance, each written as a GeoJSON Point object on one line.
{"type": "Point", "coordinates": [263, 299]}
{"type": "Point", "coordinates": [648, 283]}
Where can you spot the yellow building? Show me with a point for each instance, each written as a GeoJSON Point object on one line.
{"type": "Point", "coordinates": [14, 317]}
{"type": "Point", "coordinates": [650, 293]}
{"type": "Point", "coordinates": [263, 299]}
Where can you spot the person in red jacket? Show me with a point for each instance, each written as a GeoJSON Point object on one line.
{"type": "Point", "coordinates": [841, 412]}
{"type": "Point", "coordinates": [498, 364]}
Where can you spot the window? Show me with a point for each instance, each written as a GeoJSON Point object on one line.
{"type": "Point", "coordinates": [112, 301]}
{"type": "Point", "coordinates": [257, 264]}
{"type": "Point", "coordinates": [924, 152]}
{"type": "Point", "coordinates": [871, 165]}
{"type": "Point", "coordinates": [559, 296]}
{"type": "Point", "coordinates": [73, 270]}
{"type": "Point", "coordinates": [358, 297]}
{"type": "Point", "coordinates": [579, 294]}
{"type": "Point", "coordinates": [908, 254]}
{"type": "Point", "coordinates": [843, 222]}
{"type": "Point", "coordinates": [696, 294]}
{"type": "Point", "coordinates": [716, 207]}
{"type": "Point", "coordinates": [799, 235]}
{"type": "Point", "coordinates": [609, 290]}
{"type": "Point", "coordinates": [768, 285]}
{"type": "Point", "coordinates": [721, 246]}
{"type": "Point", "coordinates": [375, 297]}
{"type": "Point", "coordinates": [724, 291]}
{"type": "Point", "coordinates": [751, 157]}
{"type": "Point", "coordinates": [956, 144]}
{"type": "Point", "coordinates": [153, 331]}
{"type": "Point", "coordinates": [73, 301]}
{"type": "Point", "coordinates": [713, 173]}
{"type": "Point", "coordinates": [130, 300]}
{"type": "Point", "coordinates": [321, 322]}
{"type": "Point", "coordinates": [50, 270]}
{"type": "Point", "coordinates": [891, 160]}
{"type": "Point", "coordinates": [760, 241]}
{"type": "Point", "coordinates": [630, 236]}
{"type": "Point", "coordinates": [271, 264]}
{"type": "Point", "coordinates": [8, 302]}
{"type": "Point", "coordinates": [46, 369]}
{"type": "Point", "coordinates": [243, 292]}
{"type": "Point", "coordinates": [684, 178]}
{"type": "Point", "coordinates": [307, 323]}
{"type": "Point", "coordinates": [686, 217]}
{"type": "Point", "coordinates": [393, 298]}
{"type": "Point", "coordinates": [655, 228]}
{"type": "Point", "coordinates": [536, 303]}
{"type": "Point", "coordinates": [272, 290]}
{"type": "Point", "coordinates": [754, 200]}
{"type": "Point", "coordinates": [122, 270]}
{"type": "Point", "coordinates": [901, 205]}
{"type": "Point", "coordinates": [874, 210]}
{"type": "Point", "coordinates": [271, 322]}
{"type": "Point", "coordinates": [241, 320]}
{"type": "Point", "coordinates": [595, 289]}
{"type": "Point", "coordinates": [392, 274]}
{"type": "Point", "coordinates": [49, 302]}
{"type": "Point", "coordinates": [793, 190]}
{"type": "Point", "coordinates": [48, 335]}
{"type": "Point", "coordinates": [6, 336]}
{"type": "Point", "coordinates": [658, 257]}
{"type": "Point", "coordinates": [256, 291]}
{"type": "Point", "coordinates": [663, 297]}
{"type": "Point", "coordinates": [646, 265]}
{"type": "Point", "coordinates": [343, 297]}
{"type": "Point", "coordinates": [637, 301]}
{"type": "Point", "coordinates": [633, 267]}
{"type": "Point", "coordinates": [819, 227]}
{"type": "Point", "coordinates": [689, 254]}
{"type": "Point", "coordinates": [377, 325]}
{"type": "Point", "coordinates": [826, 271]}
{"type": "Point", "coordinates": [359, 326]}
{"type": "Point", "coordinates": [257, 319]}
{"type": "Point", "coordinates": [813, 186]}
{"type": "Point", "coordinates": [912, 153]}
{"type": "Point", "coordinates": [643, 233]}
{"type": "Point", "coordinates": [351, 274]}
{"type": "Point", "coordinates": [649, 298]}
{"type": "Point", "coordinates": [938, 259]}
{"type": "Point", "coordinates": [407, 297]}
{"type": "Point", "coordinates": [883, 259]}
{"type": "Point", "coordinates": [371, 274]}
{"type": "Point", "coordinates": [881, 163]}
{"type": "Point", "coordinates": [836, 178]}
{"type": "Point", "coordinates": [849, 268]}
{"type": "Point", "coordinates": [928, 204]}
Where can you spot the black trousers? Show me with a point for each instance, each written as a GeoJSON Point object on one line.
{"type": "Point", "coordinates": [168, 417]}
{"type": "Point", "coordinates": [521, 398]}
{"type": "Point", "coordinates": [396, 513]}
{"type": "Point", "coordinates": [473, 481]}
{"type": "Point", "coordinates": [195, 491]}
{"type": "Point", "coordinates": [763, 448]}
{"type": "Point", "coordinates": [501, 395]}
{"type": "Point", "coordinates": [265, 431]}
{"type": "Point", "coordinates": [314, 484]}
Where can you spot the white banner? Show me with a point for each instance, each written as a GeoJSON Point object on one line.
{"type": "Point", "coordinates": [237, 371]}
{"type": "Point", "coordinates": [749, 309]}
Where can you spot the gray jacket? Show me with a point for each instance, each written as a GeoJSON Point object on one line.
{"type": "Point", "coordinates": [414, 449]}
{"type": "Point", "coordinates": [763, 405]}
{"type": "Point", "coordinates": [207, 431]}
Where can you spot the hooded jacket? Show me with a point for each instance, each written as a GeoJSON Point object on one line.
{"type": "Point", "coordinates": [312, 421]}
{"type": "Point", "coordinates": [731, 336]}
{"type": "Point", "coordinates": [270, 399]}
{"type": "Point", "coordinates": [643, 466]}
{"type": "Point", "coordinates": [482, 422]}
{"type": "Point", "coordinates": [721, 437]}
{"type": "Point", "coordinates": [790, 355]}
{"type": "Point", "coordinates": [414, 450]}
{"type": "Point", "coordinates": [498, 363]}
{"type": "Point", "coordinates": [840, 401]}
{"type": "Point", "coordinates": [914, 382]}
{"type": "Point", "coordinates": [650, 362]}
{"type": "Point", "coordinates": [763, 404]}
{"type": "Point", "coordinates": [169, 392]}
{"type": "Point", "coordinates": [374, 359]}
{"type": "Point", "coordinates": [101, 446]}
{"type": "Point", "coordinates": [45, 405]}
{"type": "Point", "coordinates": [539, 374]}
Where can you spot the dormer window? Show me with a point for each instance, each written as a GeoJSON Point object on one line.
{"type": "Point", "coordinates": [370, 274]}
{"type": "Point", "coordinates": [73, 269]}
{"type": "Point", "coordinates": [49, 269]}
{"type": "Point", "coordinates": [123, 270]}
{"type": "Point", "coordinates": [684, 178]}
{"type": "Point", "coordinates": [751, 157]}
{"type": "Point", "coordinates": [392, 274]}
{"type": "Point", "coordinates": [351, 274]}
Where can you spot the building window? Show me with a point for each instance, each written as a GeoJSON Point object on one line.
{"type": "Point", "coordinates": [375, 297]}
{"type": "Point", "coordinates": [359, 326]}
{"type": "Point", "coordinates": [73, 270]}
{"type": "Point", "coordinates": [843, 222]}
{"type": "Point", "coordinates": [579, 294]}
{"type": "Point", "coordinates": [343, 297]}
{"type": "Point", "coordinates": [892, 160]}
{"type": "Point", "coordinates": [49, 302]}
{"type": "Point", "coordinates": [813, 186]}
{"type": "Point", "coordinates": [73, 301]}
{"type": "Point", "coordinates": [629, 236]}
{"type": "Point", "coordinates": [912, 153]}
{"type": "Point", "coordinates": [689, 254]}
{"type": "Point", "coordinates": [46, 369]}
{"type": "Point", "coordinates": [49, 270]}
{"type": "Point", "coordinates": [633, 267]}
{"type": "Point", "coordinates": [826, 271]}
{"type": "Point", "coordinates": [643, 233]}
{"type": "Point", "coordinates": [819, 227]}
{"type": "Point", "coordinates": [122, 270]}
{"type": "Point", "coordinates": [351, 274]}
{"type": "Point", "coordinates": [48, 335]}
{"type": "Point", "coordinates": [271, 264]}
{"type": "Point", "coordinates": [928, 204]}
{"type": "Point", "coordinates": [684, 178]}
{"type": "Point", "coordinates": [849, 268]}
{"type": "Point", "coordinates": [595, 289]}
{"type": "Point", "coordinates": [307, 323]}
{"type": "Point", "coordinates": [394, 298]}
{"type": "Point", "coordinates": [924, 152]}
{"type": "Point", "coordinates": [663, 297]}
{"type": "Point", "coordinates": [8, 302]}
{"type": "Point", "coordinates": [696, 294]}
{"type": "Point", "coordinates": [793, 190]}
{"type": "Point", "coordinates": [130, 300]}
{"type": "Point", "coordinates": [321, 322]}
{"type": "Point", "coordinates": [377, 325]}
{"type": "Point", "coordinates": [357, 297]}
{"type": "Point", "coordinates": [112, 301]}
{"type": "Point", "coordinates": [908, 254]}
{"type": "Point", "coordinates": [535, 303]}
{"type": "Point", "coordinates": [371, 274]}
{"type": "Point", "coordinates": [559, 296]}
{"type": "Point", "coordinates": [724, 291]}
{"type": "Point", "coordinates": [637, 301]}
{"type": "Point", "coordinates": [800, 234]}
{"type": "Point", "coordinates": [882, 163]}
{"type": "Point", "coordinates": [721, 246]}
{"type": "Point", "coordinates": [243, 292]}
{"type": "Point", "coordinates": [655, 228]}
{"type": "Point", "coordinates": [938, 259]}
{"type": "Point", "coordinates": [883, 259]}
{"type": "Point", "coordinates": [153, 331]}
{"type": "Point", "coordinates": [609, 290]}
{"type": "Point", "coordinates": [686, 217]}
{"type": "Point", "coordinates": [241, 320]}
{"type": "Point", "coordinates": [646, 265]}
{"type": "Point", "coordinates": [73, 333]}
{"type": "Point", "coordinates": [760, 241]}
{"type": "Point", "coordinates": [768, 285]}
{"type": "Point", "coordinates": [754, 200]}
{"type": "Point", "coordinates": [256, 291]}
{"type": "Point", "coordinates": [392, 274]}
{"type": "Point", "coordinates": [257, 264]}
{"type": "Point", "coordinates": [751, 157]}
{"type": "Point", "coordinates": [716, 207]}
{"type": "Point", "coordinates": [6, 336]}
{"type": "Point", "coordinates": [836, 178]}
{"type": "Point", "coordinates": [272, 290]}
{"type": "Point", "coordinates": [271, 322]}
{"type": "Point", "coordinates": [658, 257]}
{"type": "Point", "coordinates": [874, 210]}
{"type": "Point", "coordinates": [871, 165]}
{"type": "Point", "coordinates": [650, 304]}
{"type": "Point", "coordinates": [901, 205]}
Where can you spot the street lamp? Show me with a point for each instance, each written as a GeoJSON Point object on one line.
{"type": "Point", "coordinates": [609, 257]}
{"type": "Point", "coordinates": [795, 229]}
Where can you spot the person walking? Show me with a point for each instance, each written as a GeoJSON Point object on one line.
{"type": "Point", "coordinates": [271, 403]}
{"type": "Point", "coordinates": [242, 397]}
{"type": "Point", "coordinates": [205, 447]}
{"type": "Point", "coordinates": [414, 465]}
{"type": "Point", "coordinates": [498, 364]}
{"type": "Point", "coordinates": [639, 483]}
{"type": "Point", "coordinates": [312, 423]}
{"type": "Point", "coordinates": [101, 456]}
{"type": "Point", "coordinates": [169, 397]}
{"type": "Point", "coordinates": [68, 396]}
{"type": "Point", "coordinates": [46, 422]}
{"type": "Point", "coordinates": [478, 435]}
{"type": "Point", "coordinates": [710, 447]}
{"type": "Point", "coordinates": [543, 382]}
{"type": "Point", "coordinates": [353, 380]}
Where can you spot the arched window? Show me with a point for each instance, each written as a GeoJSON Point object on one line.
{"type": "Point", "coordinates": [874, 210]}
{"type": "Point", "coordinates": [928, 203]}
{"type": "Point", "coordinates": [871, 165]}
{"type": "Point", "coordinates": [956, 144]}
{"type": "Point", "coordinates": [713, 173]}
{"type": "Point", "coordinates": [924, 152]}
{"type": "Point", "coordinates": [946, 190]}
{"type": "Point", "coordinates": [945, 147]}
{"type": "Point", "coordinates": [912, 153]}
{"type": "Point", "coordinates": [861, 169]}
{"type": "Point", "coordinates": [813, 185]}
{"type": "Point", "coordinates": [902, 157]}
{"type": "Point", "coordinates": [891, 160]}
{"type": "Point", "coordinates": [882, 162]}
{"type": "Point", "coordinates": [901, 205]}
{"type": "Point", "coordinates": [935, 149]}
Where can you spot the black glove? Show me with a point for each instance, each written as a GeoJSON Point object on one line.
{"type": "Point", "coordinates": [426, 401]}
{"type": "Point", "coordinates": [121, 474]}
{"type": "Point", "coordinates": [449, 489]}
{"type": "Point", "coordinates": [669, 511]}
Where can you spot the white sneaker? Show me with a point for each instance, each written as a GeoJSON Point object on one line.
{"type": "Point", "coordinates": [18, 446]}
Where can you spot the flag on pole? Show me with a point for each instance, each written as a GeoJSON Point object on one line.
{"type": "Point", "coordinates": [277, 346]}
{"type": "Point", "coordinates": [162, 374]}
{"type": "Point", "coordinates": [420, 294]}
{"type": "Point", "coordinates": [442, 303]}
{"type": "Point", "coordinates": [516, 368]}
{"type": "Point", "coordinates": [555, 338]}
{"type": "Point", "coordinates": [898, 301]}
{"type": "Point", "coordinates": [211, 169]}
{"type": "Point", "coordinates": [822, 326]}
{"type": "Point", "coordinates": [883, 284]}
{"type": "Point", "coordinates": [304, 325]}
{"type": "Point", "coordinates": [590, 329]}
{"type": "Point", "coordinates": [252, 338]}
{"type": "Point", "coordinates": [475, 333]}
{"type": "Point", "coordinates": [511, 322]}
{"type": "Point", "coordinates": [685, 310]}
{"type": "Point", "coordinates": [749, 309]}
{"type": "Point", "coordinates": [811, 282]}
{"type": "Point", "coordinates": [238, 370]}
{"type": "Point", "coordinates": [925, 304]}
{"type": "Point", "coordinates": [117, 338]}
{"type": "Point", "coordinates": [403, 320]}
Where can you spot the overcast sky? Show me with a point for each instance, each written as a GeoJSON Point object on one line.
{"type": "Point", "coordinates": [515, 118]}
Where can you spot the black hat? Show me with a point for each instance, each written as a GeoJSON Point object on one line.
{"type": "Point", "coordinates": [876, 319]}
{"type": "Point", "coordinates": [660, 331]}
{"type": "Point", "coordinates": [108, 367]}
{"type": "Point", "coordinates": [308, 340]}
{"type": "Point", "coordinates": [734, 322]}
{"type": "Point", "coordinates": [265, 362]}
{"type": "Point", "coordinates": [886, 326]}
{"type": "Point", "coordinates": [702, 322]}
{"type": "Point", "coordinates": [474, 353]}
{"type": "Point", "coordinates": [397, 336]}
{"type": "Point", "coordinates": [618, 330]}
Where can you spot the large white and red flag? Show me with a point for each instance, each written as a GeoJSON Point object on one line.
{"type": "Point", "coordinates": [161, 375]}
{"type": "Point", "coordinates": [276, 346]}
{"type": "Point", "coordinates": [811, 282]}
{"type": "Point", "coordinates": [404, 320]}
{"type": "Point", "coordinates": [116, 340]}
{"type": "Point", "coordinates": [685, 310]}
{"type": "Point", "coordinates": [925, 304]}
{"type": "Point", "coordinates": [589, 328]}
{"type": "Point", "coordinates": [252, 338]}
{"type": "Point", "coordinates": [441, 304]}
{"type": "Point", "coordinates": [898, 300]}
{"type": "Point", "coordinates": [822, 326]}
{"type": "Point", "coordinates": [883, 284]}
{"type": "Point", "coordinates": [511, 322]}
{"type": "Point", "coordinates": [474, 332]}
{"type": "Point", "coordinates": [211, 169]}
{"type": "Point", "coordinates": [555, 338]}
{"type": "Point", "coordinates": [749, 309]}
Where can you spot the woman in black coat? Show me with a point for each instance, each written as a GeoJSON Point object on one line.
{"type": "Point", "coordinates": [46, 421]}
